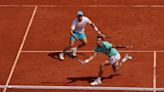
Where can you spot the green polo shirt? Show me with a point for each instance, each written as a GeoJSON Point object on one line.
{"type": "Point", "coordinates": [107, 49]}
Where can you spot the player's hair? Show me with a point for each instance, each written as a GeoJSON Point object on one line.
{"type": "Point", "coordinates": [100, 37]}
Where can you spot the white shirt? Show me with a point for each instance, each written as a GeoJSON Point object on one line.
{"type": "Point", "coordinates": [80, 26]}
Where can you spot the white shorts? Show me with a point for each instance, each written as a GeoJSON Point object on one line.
{"type": "Point", "coordinates": [114, 59]}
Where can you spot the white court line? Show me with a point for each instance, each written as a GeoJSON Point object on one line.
{"type": "Point", "coordinates": [79, 88]}
{"type": "Point", "coordinates": [20, 49]}
{"type": "Point", "coordinates": [87, 51]}
{"type": "Point", "coordinates": [133, 6]}
{"type": "Point", "coordinates": [18, 5]}
{"type": "Point", "coordinates": [154, 71]}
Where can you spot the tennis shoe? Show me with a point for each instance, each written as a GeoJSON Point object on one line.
{"type": "Point", "coordinates": [96, 82]}
{"type": "Point", "coordinates": [126, 57]}
{"type": "Point", "coordinates": [61, 56]}
{"type": "Point", "coordinates": [74, 51]}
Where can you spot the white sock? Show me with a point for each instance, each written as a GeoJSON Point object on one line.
{"type": "Point", "coordinates": [99, 78]}
{"type": "Point", "coordinates": [74, 48]}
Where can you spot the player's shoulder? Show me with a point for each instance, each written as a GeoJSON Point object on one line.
{"type": "Point", "coordinates": [75, 19]}
{"type": "Point", "coordinates": [106, 43]}
{"type": "Point", "coordinates": [85, 18]}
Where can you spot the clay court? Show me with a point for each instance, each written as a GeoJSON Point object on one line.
{"type": "Point", "coordinates": [33, 31]}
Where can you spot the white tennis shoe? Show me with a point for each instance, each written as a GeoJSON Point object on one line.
{"type": "Point", "coordinates": [74, 51]}
{"type": "Point", "coordinates": [126, 57]}
{"type": "Point", "coordinates": [96, 82]}
{"type": "Point", "coordinates": [61, 56]}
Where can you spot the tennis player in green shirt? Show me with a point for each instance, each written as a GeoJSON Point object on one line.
{"type": "Point", "coordinates": [114, 57]}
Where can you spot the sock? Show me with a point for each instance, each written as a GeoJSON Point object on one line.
{"type": "Point", "coordinates": [99, 78]}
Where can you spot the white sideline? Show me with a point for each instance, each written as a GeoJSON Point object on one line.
{"type": "Point", "coordinates": [154, 71]}
{"type": "Point", "coordinates": [79, 88]}
{"type": "Point", "coordinates": [134, 6]}
{"type": "Point", "coordinates": [88, 51]}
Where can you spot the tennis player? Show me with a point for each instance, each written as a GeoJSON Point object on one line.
{"type": "Point", "coordinates": [113, 54]}
{"type": "Point", "coordinates": [78, 33]}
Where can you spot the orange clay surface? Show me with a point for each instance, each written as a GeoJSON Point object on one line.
{"type": "Point", "coordinates": [140, 27]}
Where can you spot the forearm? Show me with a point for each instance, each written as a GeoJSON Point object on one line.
{"type": "Point", "coordinates": [121, 46]}
{"type": "Point", "coordinates": [91, 57]}
{"type": "Point", "coordinates": [72, 34]}
{"type": "Point", "coordinates": [95, 28]}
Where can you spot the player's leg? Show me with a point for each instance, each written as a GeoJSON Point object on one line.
{"type": "Point", "coordinates": [114, 60]}
{"type": "Point", "coordinates": [101, 70]}
{"type": "Point", "coordinates": [118, 63]}
{"type": "Point", "coordinates": [83, 39]}
{"type": "Point", "coordinates": [116, 66]}
{"type": "Point", "coordinates": [84, 42]}
{"type": "Point", "coordinates": [71, 45]}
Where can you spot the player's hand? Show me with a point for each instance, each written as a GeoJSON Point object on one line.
{"type": "Point", "coordinates": [76, 39]}
{"type": "Point", "coordinates": [103, 35]}
{"type": "Point", "coordinates": [86, 61]}
{"type": "Point", "coordinates": [83, 61]}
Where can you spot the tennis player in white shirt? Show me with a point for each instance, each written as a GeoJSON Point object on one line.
{"type": "Point", "coordinates": [77, 33]}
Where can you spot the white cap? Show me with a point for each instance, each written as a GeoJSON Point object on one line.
{"type": "Point", "coordinates": [79, 13]}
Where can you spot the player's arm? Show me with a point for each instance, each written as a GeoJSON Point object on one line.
{"type": "Point", "coordinates": [121, 46]}
{"type": "Point", "coordinates": [90, 58]}
{"type": "Point", "coordinates": [97, 30]}
{"type": "Point", "coordinates": [72, 34]}
{"type": "Point", "coordinates": [72, 30]}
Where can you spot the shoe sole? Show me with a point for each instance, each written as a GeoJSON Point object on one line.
{"type": "Point", "coordinates": [95, 84]}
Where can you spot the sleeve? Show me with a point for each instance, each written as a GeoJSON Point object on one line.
{"type": "Point", "coordinates": [107, 45]}
{"type": "Point", "coordinates": [97, 49]}
{"type": "Point", "coordinates": [73, 25]}
{"type": "Point", "coordinates": [88, 20]}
